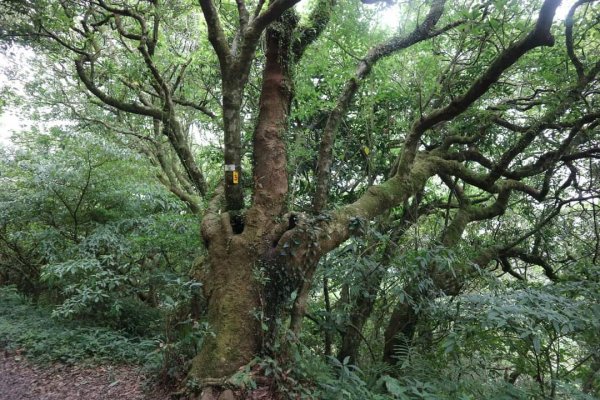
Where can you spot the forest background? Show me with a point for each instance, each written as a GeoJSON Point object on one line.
{"type": "Point", "coordinates": [367, 199]}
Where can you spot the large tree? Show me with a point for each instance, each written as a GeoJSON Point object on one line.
{"type": "Point", "coordinates": [497, 104]}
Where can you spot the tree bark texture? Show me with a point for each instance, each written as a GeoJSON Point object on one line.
{"type": "Point", "coordinates": [233, 303]}
{"type": "Point", "coordinates": [239, 305]}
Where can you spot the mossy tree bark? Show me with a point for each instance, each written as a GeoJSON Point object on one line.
{"type": "Point", "coordinates": [236, 298]}
{"type": "Point", "coordinates": [233, 298]}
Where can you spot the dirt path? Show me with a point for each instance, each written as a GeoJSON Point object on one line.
{"type": "Point", "coordinates": [21, 380]}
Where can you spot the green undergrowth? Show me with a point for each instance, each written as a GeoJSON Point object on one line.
{"type": "Point", "coordinates": [31, 330]}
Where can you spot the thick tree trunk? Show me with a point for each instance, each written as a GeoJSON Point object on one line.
{"type": "Point", "coordinates": [361, 309]}
{"type": "Point", "coordinates": [405, 317]}
{"type": "Point", "coordinates": [403, 322]}
{"type": "Point", "coordinates": [352, 338]}
{"type": "Point", "coordinates": [233, 305]}
{"type": "Point", "coordinates": [363, 305]}
{"type": "Point", "coordinates": [400, 331]}
{"type": "Point", "coordinates": [232, 103]}
{"type": "Point", "coordinates": [238, 305]}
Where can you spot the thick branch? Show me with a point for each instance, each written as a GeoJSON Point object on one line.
{"type": "Point", "coordinates": [269, 151]}
{"type": "Point", "coordinates": [569, 38]}
{"type": "Point", "coordinates": [533, 259]}
{"type": "Point", "coordinates": [395, 44]}
{"type": "Point", "coordinates": [468, 214]}
{"type": "Point", "coordinates": [172, 129]}
{"type": "Point", "coordinates": [271, 14]}
{"type": "Point", "coordinates": [318, 20]}
{"type": "Point", "coordinates": [133, 108]}
{"type": "Point", "coordinates": [539, 36]}
{"type": "Point", "coordinates": [216, 36]}
{"type": "Point", "coordinates": [376, 200]}
{"type": "Point", "coordinates": [243, 14]}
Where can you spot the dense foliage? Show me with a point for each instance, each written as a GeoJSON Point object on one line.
{"type": "Point", "coordinates": [408, 209]}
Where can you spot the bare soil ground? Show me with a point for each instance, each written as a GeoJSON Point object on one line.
{"type": "Point", "coordinates": [22, 380]}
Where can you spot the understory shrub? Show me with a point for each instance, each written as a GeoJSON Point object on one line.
{"type": "Point", "coordinates": [31, 330]}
